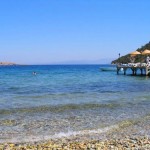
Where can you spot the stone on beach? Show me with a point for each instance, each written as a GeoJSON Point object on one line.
{"type": "Point", "coordinates": [116, 144]}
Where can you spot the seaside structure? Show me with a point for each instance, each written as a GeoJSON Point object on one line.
{"type": "Point", "coordinates": [143, 67]}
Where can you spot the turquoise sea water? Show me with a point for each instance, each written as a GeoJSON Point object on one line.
{"type": "Point", "coordinates": [64, 100]}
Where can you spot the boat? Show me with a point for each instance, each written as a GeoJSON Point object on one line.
{"type": "Point", "coordinates": [108, 69]}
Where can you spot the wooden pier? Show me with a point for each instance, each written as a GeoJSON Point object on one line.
{"type": "Point", "coordinates": [144, 68]}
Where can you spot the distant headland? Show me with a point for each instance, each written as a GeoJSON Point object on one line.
{"type": "Point", "coordinates": [7, 64]}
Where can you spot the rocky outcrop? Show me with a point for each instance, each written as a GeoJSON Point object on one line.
{"type": "Point", "coordinates": [7, 63]}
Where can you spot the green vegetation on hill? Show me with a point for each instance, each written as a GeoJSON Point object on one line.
{"type": "Point", "coordinates": [138, 58]}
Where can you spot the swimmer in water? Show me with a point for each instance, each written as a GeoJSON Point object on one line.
{"type": "Point", "coordinates": [34, 73]}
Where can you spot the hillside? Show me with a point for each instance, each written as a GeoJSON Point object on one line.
{"type": "Point", "coordinates": [127, 58]}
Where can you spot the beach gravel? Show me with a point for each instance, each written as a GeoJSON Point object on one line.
{"type": "Point", "coordinates": [142, 143]}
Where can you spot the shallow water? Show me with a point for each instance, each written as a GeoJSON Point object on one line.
{"type": "Point", "coordinates": [64, 100]}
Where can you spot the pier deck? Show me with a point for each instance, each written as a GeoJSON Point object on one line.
{"type": "Point", "coordinates": [143, 67]}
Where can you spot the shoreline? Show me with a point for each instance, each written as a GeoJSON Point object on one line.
{"type": "Point", "coordinates": [124, 138]}
{"type": "Point", "coordinates": [123, 143]}
{"type": "Point", "coordinates": [138, 127]}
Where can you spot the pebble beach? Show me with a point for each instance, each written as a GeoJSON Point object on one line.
{"type": "Point", "coordinates": [118, 144]}
{"type": "Point", "coordinates": [126, 137]}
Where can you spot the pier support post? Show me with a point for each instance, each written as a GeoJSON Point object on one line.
{"type": "Point", "coordinates": [141, 71]}
{"type": "Point", "coordinates": [125, 71]}
{"type": "Point", "coordinates": [147, 70]}
{"type": "Point", "coordinates": [133, 71]}
{"type": "Point", "coordinates": [118, 69]}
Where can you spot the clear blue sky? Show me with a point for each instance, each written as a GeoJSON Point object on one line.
{"type": "Point", "coordinates": [71, 31]}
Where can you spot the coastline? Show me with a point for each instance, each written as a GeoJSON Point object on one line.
{"type": "Point", "coordinates": [7, 63]}
{"type": "Point", "coordinates": [119, 144]}
{"type": "Point", "coordinates": [124, 137]}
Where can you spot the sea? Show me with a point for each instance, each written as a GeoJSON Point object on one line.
{"type": "Point", "coordinates": [61, 101]}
